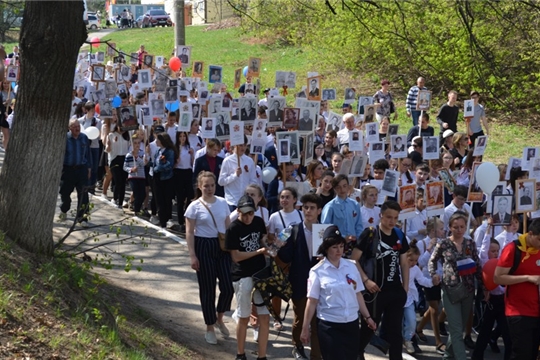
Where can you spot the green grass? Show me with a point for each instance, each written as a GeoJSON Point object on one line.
{"type": "Point", "coordinates": [231, 48]}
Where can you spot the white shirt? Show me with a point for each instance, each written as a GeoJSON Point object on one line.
{"type": "Point", "coordinates": [118, 145]}
{"type": "Point", "coordinates": [184, 159]}
{"type": "Point", "coordinates": [416, 223]}
{"type": "Point", "coordinates": [343, 136]}
{"type": "Point", "coordinates": [195, 142]}
{"type": "Point", "coordinates": [416, 274]}
{"type": "Point", "coordinates": [506, 238]}
{"type": "Point", "coordinates": [275, 225]}
{"type": "Point", "coordinates": [204, 225]}
{"type": "Point", "coordinates": [236, 185]}
{"type": "Point", "coordinates": [450, 210]}
{"type": "Point", "coordinates": [335, 289]}
{"type": "Point", "coordinates": [370, 217]}
{"type": "Point", "coordinates": [172, 132]}
{"type": "Point", "coordinates": [423, 260]}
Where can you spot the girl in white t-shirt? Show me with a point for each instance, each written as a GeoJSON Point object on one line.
{"type": "Point", "coordinates": [205, 217]}
{"type": "Point", "coordinates": [370, 213]}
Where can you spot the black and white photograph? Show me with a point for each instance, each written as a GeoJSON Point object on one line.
{"type": "Point", "coordinates": [160, 61]}
{"type": "Point", "coordinates": [214, 74]}
{"type": "Point", "coordinates": [475, 192]}
{"type": "Point", "coordinates": [98, 73]}
{"type": "Point", "coordinates": [525, 195]}
{"type": "Point", "coordinates": [128, 118]}
{"type": "Point", "coordinates": [105, 108]}
{"type": "Point", "coordinates": [196, 111]}
{"type": "Point", "coordinates": [259, 125]}
{"type": "Point", "coordinates": [222, 125]}
{"type": "Point", "coordinates": [513, 163]}
{"type": "Point", "coordinates": [173, 82]}
{"type": "Point", "coordinates": [281, 77]}
{"type": "Point", "coordinates": [110, 88]}
{"type": "Point", "coordinates": [226, 102]}
{"type": "Point", "coordinates": [161, 80]}
{"type": "Point", "coordinates": [283, 151]}
{"type": "Point", "coordinates": [248, 109]}
{"type": "Point", "coordinates": [314, 88]}
{"type": "Point", "coordinates": [123, 74]}
{"type": "Point", "coordinates": [448, 179]}
{"type": "Point", "coordinates": [184, 54]}
{"type": "Point", "coordinates": [208, 128]}
{"type": "Point", "coordinates": [254, 66]}
{"type": "Point", "coordinates": [423, 100]}
{"type": "Point", "coordinates": [350, 95]}
{"type": "Point", "coordinates": [480, 146]}
{"type": "Point", "coordinates": [529, 153]}
{"type": "Point", "coordinates": [369, 113]}
{"type": "Point", "coordinates": [100, 57]}
{"type": "Point", "coordinates": [290, 79]}
{"type": "Point", "coordinates": [144, 79]}
{"type": "Point", "coordinates": [171, 94]}
{"type": "Point", "coordinates": [291, 117]}
{"type": "Point", "coordinates": [294, 148]}
{"type": "Point", "coordinates": [308, 148]}
{"type": "Point", "coordinates": [157, 108]}
{"type": "Point", "coordinates": [390, 182]}
{"type": "Point", "coordinates": [148, 60]}
{"type": "Point", "coordinates": [306, 121]}
{"type": "Point", "coordinates": [372, 131]}
{"type": "Point", "coordinates": [184, 121]}
{"type": "Point", "coordinates": [198, 69]}
{"type": "Point", "coordinates": [214, 105]}
{"type": "Point", "coordinates": [430, 148]}
{"type": "Point", "coordinates": [468, 108]}
{"type": "Point", "coordinates": [356, 140]}
{"type": "Point", "coordinates": [335, 121]}
{"type": "Point", "coordinates": [143, 113]}
{"type": "Point", "coordinates": [398, 145]}
{"type": "Point", "coordinates": [133, 58]}
{"type": "Point", "coordinates": [363, 101]}
{"type": "Point", "coordinates": [501, 209]}
{"type": "Point", "coordinates": [359, 163]}
{"type": "Point", "coordinates": [276, 105]}
{"type": "Point", "coordinates": [329, 94]}
{"type": "Point", "coordinates": [111, 49]}
{"type": "Point", "coordinates": [393, 129]}
{"type": "Point", "coordinates": [376, 151]}
{"type": "Point", "coordinates": [99, 95]}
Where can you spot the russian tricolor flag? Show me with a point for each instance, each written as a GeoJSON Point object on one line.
{"type": "Point", "coordinates": [466, 267]}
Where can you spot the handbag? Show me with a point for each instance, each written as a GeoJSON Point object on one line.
{"type": "Point", "coordinates": [457, 293]}
{"type": "Point", "coordinates": [221, 236]}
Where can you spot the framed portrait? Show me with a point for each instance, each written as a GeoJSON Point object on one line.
{"type": "Point", "coordinates": [390, 182]}
{"type": "Point", "coordinates": [480, 146]}
{"type": "Point", "coordinates": [247, 108]}
{"type": "Point", "coordinates": [276, 107]}
{"type": "Point", "coordinates": [335, 121]}
{"type": "Point", "coordinates": [105, 108]}
{"type": "Point", "coordinates": [393, 129]}
{"type": "Point", "coordinates": [144, 79]}
{"type": "Point", "coordinates": [148, 60]}
{"type": "Point", "coordinates": [160, 61]}
{"type": "Point", "coordinates": [369, 113]}
{"type": "Point", "coordinates": [254, 66]}
{"type": "Point", "coordinates": [314, 88]}
{"type": "Point", "coordinates": [111, 49]}
{"type": "Point", "coordinates": [134, 58]}
{"type": "Point", "coordinates": [98, 73]}
{"type": "Point", "coordinates": [215, 103]}
{"type": "Point", "coordinates": [350, 95]}
{"type": "Point", "coordinates": [157, 108]}
{"type": "Point", "coordinates": [294, 145]}
{"type": "Point", "coordinates": [308, 148]}
{"type": "Point", "coordinates": [448, 179]}
{"type": "Point", "coordinates": [291, 117]}
{"type": "Point", "coordinates": [329, 94]}
{"type": "Point", "coordinates": [525, 195]}
{"type": "Point", "coordinates": [407, 201]}
{"type": "Point", "coordinates": [258, 142]}
{"type": "Point", "coordinates": [501, 209]}
{"type": "Point", "coordinates": [110, 88]}
{"type": "Point", "coordinates": [198, 69]}
{"type": "Point", "coordinates": [237, 78]}
{"type": "Point", "coordinates": [307, 119]}
{"type": "Point", "coordinates": [143, 113]}
{"type": "Point", "coordinates": [128, 118]}
{"type": "Point", "coordinates": [118, 59]}
{"type": "Point", "coordinates": [398, 144]}
{"type": "Point", "coordinates": [171, 93]}
{"type": "Point", "coordinates": [100, 57]}
{"type": "Point", "coordinates": [12, 73]}
{"type": "Point", "coordinates": [161, 80]}
{"type": "Point", "coordinates": [529, 153]}
{"type": "Point", "coordinates": [196, 111]}
{"type": "Point", "coordinates": [363, 101]}
{"type": "Point", "coordinates": [435, 197]}
{"type": "Point", "coordinates": [98, 95]}
{"type": "Point", "coordinates": [356, 140]}
{"type": "Point", "coordinates": [290, 79]}
{"type": "Point", "coordinates": [184, 54]}
{"type": "Point", "coordinates": [214, 74]}
{"type": "Point", "coordinates": [468, 108]}
{"type": "Point", "coordinates": [430, 147]}
{"type": "Point", "coordinates": [184, 121]}
{"type": "Point", "coordinates": [475, 192]}
{"type": "Point", "coordinates": [423, 100]}
{"type": "Point", "coordinates": [283, 151]}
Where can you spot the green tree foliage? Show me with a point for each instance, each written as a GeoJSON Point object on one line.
{"type": "Point", "coordinates": [489, 46]}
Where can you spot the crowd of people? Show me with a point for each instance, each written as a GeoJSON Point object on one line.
{"type": "Point", "coordinates": [233, 221]}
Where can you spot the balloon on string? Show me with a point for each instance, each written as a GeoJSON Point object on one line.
{"type": "Point", "coordinates": [116, 101]}
{"type": "Point", "coordinates": [95, 42]}
{"type": "Point", "coordinates": [245, 71]}
{"type": "Point", "coordinates": [487, 177]}
{"type": "Point", "coordinates": [92, 132]}
{"type": "Point", "coordinates": [269, 174]}
{"type": "Point", "coordinates": [174, 106]}
{"type": "Point", "coordinates": [98, 109]}
{"type": "Point", "coordinates": [175, 64]}
{"type": "Point", "coordinates": [13, 84]}
{"type": "Point", "coordinates": [488, 273]}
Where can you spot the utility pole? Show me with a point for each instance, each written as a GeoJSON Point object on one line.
{"type": "Point", "coordinates": [179, 25]}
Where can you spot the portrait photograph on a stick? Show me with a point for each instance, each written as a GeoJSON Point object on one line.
{"type": "Point", "coordinates": [128, 118]}
{"type": "Point", "coordinates": [501, 209]}
{"type": "Point", "coordinates": [525, 195]}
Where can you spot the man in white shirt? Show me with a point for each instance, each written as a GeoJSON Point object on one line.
{"type": "Point", "coordinates": [236, 177]}
{"type": "Point", "coordinates": [89, 119]}
{"type": "Point", "coordinates": [343, 134]}
{"type": "Point", "coordinates": [458, 203]}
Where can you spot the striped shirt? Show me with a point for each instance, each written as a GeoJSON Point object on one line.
{"type": "Point", "coordinates": [412, 97]}
{"type": "Point", "coordinates": [131, 162]}
{"type": "Point", "coordinates": [78, 151]}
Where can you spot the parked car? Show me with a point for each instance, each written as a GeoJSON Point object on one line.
{"type": "Point", "coordinates": [93, 22]}
{"type": "Point", "coordinates": [139, 21]}
{"type": "Point", "coordinates": [156, 17]}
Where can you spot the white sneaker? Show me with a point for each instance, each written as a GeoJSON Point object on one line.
{"type": "Point", "coordinates": [235, 316]}
{"type": "Point", "coordinates": [154, 219]}
{"type": "Point", "coordinates": [409, 346]}
{"type": "Point", "coordinates": [222, 329]}
{"type": "Point", "coordinates": [62, 216]}
{"type": "Point", "coordinates": [255, 334]}
{"type": "Point", "coordinates": [170, 224]}
{"type": "Point", "coordinates": [210, 337]}
{"type": "Point", "coordinates": [104, 196]}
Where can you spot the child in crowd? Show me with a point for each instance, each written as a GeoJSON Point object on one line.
{"type": "Point", "coordinates": [370, 213]}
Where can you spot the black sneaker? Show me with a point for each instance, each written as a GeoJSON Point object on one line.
{"type": "Point", "coordinates": [299, 353]}
{"type": "Point", "coordinates": [240, 357]}
{"type": "Point", "coordinates": [442, 329]}
{"type": "Point", "coordinates": [469, 342]}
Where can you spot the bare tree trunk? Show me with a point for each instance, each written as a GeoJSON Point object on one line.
{"type": "Point", "coordinates": [51, 36]}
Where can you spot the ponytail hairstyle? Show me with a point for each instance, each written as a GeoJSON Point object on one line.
{"type": "Point", "coordinates": [413, 248]}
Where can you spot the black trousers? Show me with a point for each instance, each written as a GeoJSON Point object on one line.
{"type": "Point", "coordinates": [183, 191]}
{"type": "Point", "coordinates": [74, 177]}
{"type": "Point", "coordinates": [338, 340]}
{"type": "Point", "coordinates": [164, 193]}
{"type": "Point", "coordinates": [525, 334]}
{"type": "Point", "coordinates": [138, 187]}
{"type": "Point", "coordinates": [120, 178]}
{"type": "Point", "coordinates": [389, 302]}
{"type": "Point", "coordinates": [494, 312]}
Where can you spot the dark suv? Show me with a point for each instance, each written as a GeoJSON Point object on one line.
{"type": "Point", "coordinates": [156, 17]}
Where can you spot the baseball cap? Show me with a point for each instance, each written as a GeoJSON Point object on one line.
{"type": "Point", "coordinates": [447, 133]}
{"type": "Point", "coordinates": [245, 204]}
{"type": "Point", "coordinates": [266, 90]}
{"type": "Point", "coordinates": [346, 106]}
{"type": "Point", "coordinates": [332, 232]}
{"type": "Point", "coordinates": [474, 92]}
{"type": "Point", "coordinates": [159, 129]}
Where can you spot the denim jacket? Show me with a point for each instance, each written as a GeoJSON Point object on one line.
{"type": "Point", "coordinates": [164, 168]}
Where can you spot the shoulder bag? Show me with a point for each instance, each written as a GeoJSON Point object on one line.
{"type": "Point", "coordinates": [221, 236]}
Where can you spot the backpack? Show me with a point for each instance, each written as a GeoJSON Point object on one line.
{"type": "Point", "coordinates": [515, 263]}
{"type": "Point", "coordinates": [368, 260]}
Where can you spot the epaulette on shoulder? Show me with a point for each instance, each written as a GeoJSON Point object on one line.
{"type": "Point", "coordinates": [318, 265]}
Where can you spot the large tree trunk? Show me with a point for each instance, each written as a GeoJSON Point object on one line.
{"type": "Point", "coordinates": [51, 36]}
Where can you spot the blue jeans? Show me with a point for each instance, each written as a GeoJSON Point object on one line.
{"type": "Point", "coordinates": [94, 152]}
{"type": "Point", "coordinates": [409, 322]}
{"type": "Point", "coordinates": [415, 114]}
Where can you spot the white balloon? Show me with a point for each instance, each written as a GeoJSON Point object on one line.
{"type": "Point", "coordinates": [269, 174]}
{"type": "Point", "coordinates": [92, 132]}
{"type": "Point", "coordinates": [487, 177]}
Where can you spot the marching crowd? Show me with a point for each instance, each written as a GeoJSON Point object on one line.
{"type": "Point", "coordinates": [370, 275]}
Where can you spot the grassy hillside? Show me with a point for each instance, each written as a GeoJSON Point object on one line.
{"type": "Point", "coordinates": [231, 49]}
